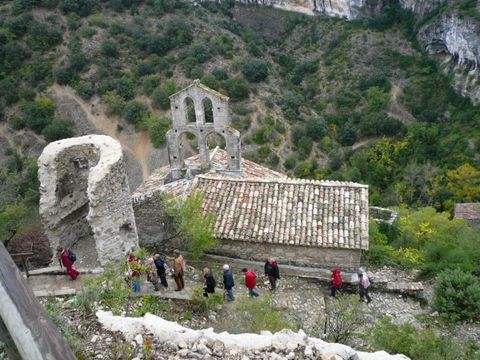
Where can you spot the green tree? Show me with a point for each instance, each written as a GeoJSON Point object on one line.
{"type": "Point", "coordinates": [58, 129]}
{"type": "Point", "coordinates": [157, 126]}
{"type": "Point", "coordinates": [134, 111]}
{"type": "Point", "coordinates": [12, 219]}
{"type": "Point", "coordinates": [192, 224]}
{"type": "Point", "coordinates": [254, 70]}
{"type": "Point", "coordinates": [237, 88]}
{"type": "Point", "coordinates": [377, 98]}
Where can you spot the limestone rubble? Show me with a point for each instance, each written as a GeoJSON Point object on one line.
{"type": "Point", "coordinates": [189, 343]}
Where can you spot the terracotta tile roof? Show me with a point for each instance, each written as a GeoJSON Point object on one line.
{"type": "Point", "coordinates": [288, 211]}
{"type": "Point", "coordinates": [467, 211]}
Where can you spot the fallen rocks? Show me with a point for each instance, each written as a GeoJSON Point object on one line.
{"type": "Point", "coordinates": [206, 344]}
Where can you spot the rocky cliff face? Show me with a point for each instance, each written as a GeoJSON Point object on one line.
{"type": "Point", "coordinates": [452, 39]}
{"type": "Point", "coordinates": [455, 42]}
{"type": "Point", "coordinates": [420, 7]}
{"type": "Point", "coordinates": [348, 9]}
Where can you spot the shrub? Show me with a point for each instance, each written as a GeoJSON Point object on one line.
{"type": "Point", "coordinates": [160, 95]}
{"type": "Point", "coordinates": [85, 89]}
{"type": "Point", "coordinates": [58, 129]}
{"type": "Point", "coordinates": [347, 135]}
{"type": "Point", "coordinates": [290, 162]}
{"type": "Point", "coordinates": [260, 314]}
{"type": "Point", "coordinates": [377, 98]}
{"type": "Point", "coordinates": [79, 7]}
{"type": "Point", "coordinates": [115, 104]}
{"type": "Point", "coordinates": [35, 241]}
{"type": "Point", "coordinates": [342, 317]}
{"type": "Point", "coordinates": [237, 88]}
{"type": "Point", "coordinates": [254, 70]}
{"type": "Point", "coordinates": [416, 343]}
{"type": "Point", "coordinates": [134, 111]}
{"type": "Point", "coordinates": [39, 113]}
{"type": "Point", "coordinates": [157, 126]}
{"type": "Point", "coordinates": [109, 48]}
{"type": "Point", "coordinates": [457, 295]}
{"type": "Point", "coordinates": [150, 83]}
{"type": "Point", "coordinates": [108, 289]}
{"type": "Point", "coordinates": [291, 103]}
{"type": "Point", "coordinates": [202, 304]}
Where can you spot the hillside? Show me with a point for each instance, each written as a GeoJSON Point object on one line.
{"type": "Point", "coordinates": [314, 96]}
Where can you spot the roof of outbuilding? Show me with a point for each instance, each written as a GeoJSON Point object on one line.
{"type": "Point", "coordinates": [467, 211]}
{"type": "Point", "coordinates": [326, 214]}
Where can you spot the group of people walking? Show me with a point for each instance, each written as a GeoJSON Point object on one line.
{"type": "Point", "coordinates": [363, 284]}
{"type": "Point", "coordinates": [155, 268]}
{"type": "Point", "coordinates": [271, 271]}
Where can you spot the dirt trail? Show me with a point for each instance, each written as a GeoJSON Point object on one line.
{"type": "Point", "coordinates": [396, 109]}
{"type": "Point", "coordinates": [138, 143]}
{"type": "Point", "coordinates": [364, 142]}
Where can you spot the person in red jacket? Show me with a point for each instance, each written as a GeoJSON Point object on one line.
{"type": "Point", "coordinates": [250, 282]}
{"type": "Point", "coordinates": [64, 258]}
{"type": "Point", "coordinates": [337, 281]}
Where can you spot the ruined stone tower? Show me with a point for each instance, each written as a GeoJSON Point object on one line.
{"type": "Point", "coordinates": [85, 196]}
{"type": "Point", "coordinates": [202, 127]}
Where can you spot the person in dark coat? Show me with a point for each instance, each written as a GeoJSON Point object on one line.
{"type": "Point", "coordinates": [160, 265]}
{"type": "Point", "coordinates": [272, 272]}
{"type": "Point", "coordinates": [64, 258]}
{"type": "Point", "coordinates": [228, 282]}
{"type": "Point", "coordinates": [210, 283]}
{"type": "Point", "coordinates": [337, 281]}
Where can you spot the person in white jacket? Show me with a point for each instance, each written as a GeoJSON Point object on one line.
{"type": "Point", "coordinates": [363, 286]}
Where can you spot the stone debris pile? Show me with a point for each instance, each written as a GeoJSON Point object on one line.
{"type": "Point", "coordinates": [178, 342]}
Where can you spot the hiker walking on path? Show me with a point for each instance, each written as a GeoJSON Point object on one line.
{"type": "Point", "coordinates": [67, 258]}
{"type": "Point", "coordinates": [250, 282]}
{"type": "Point", "coordinates": [161, 272]}
{"type": "Point", "coordinates": [210, 283]}
{"type": "Point", "coordinates": [337, 281]}
{"type": "Point", "coordinates": [272, 272]}
{"type": "Point", "coordinates": [228, 282]}
{"type": "Point", "coordinates": [178, 270]}
{"type": "Point", "coordinates": [134, 272]}
{"type": "Point", "coordinates": [363, 286]}
{"type": "Point", "coordinates": [152, 275]}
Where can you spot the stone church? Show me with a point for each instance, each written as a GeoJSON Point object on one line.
{"type": "Point", "coordinates": [259, 212]}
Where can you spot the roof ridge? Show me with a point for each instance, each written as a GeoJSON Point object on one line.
{"type": "Point", "coordinates": [293, 181]}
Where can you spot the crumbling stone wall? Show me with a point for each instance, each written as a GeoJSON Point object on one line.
{"type": "Point", "coordinates": [152, 224]}
{"type": "Point", "coordinates": [198, 92]}
{"type": "Point", "coordinates": [346, 259]}
{"type": "Point", "coordinates": [85, 194]}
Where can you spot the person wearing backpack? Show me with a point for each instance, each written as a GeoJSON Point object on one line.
{"type": "Point", "coordinates": [160, 265]}
{"type": "Point", "coordinates": [66, 259]}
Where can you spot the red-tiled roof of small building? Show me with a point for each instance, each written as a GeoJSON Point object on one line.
{"type": "Point", "coordinates": [263, 205]}
{"type": "Point", "coordinates": [326, 214]}
{"type": "Point", "coordinates": [467, 211]}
